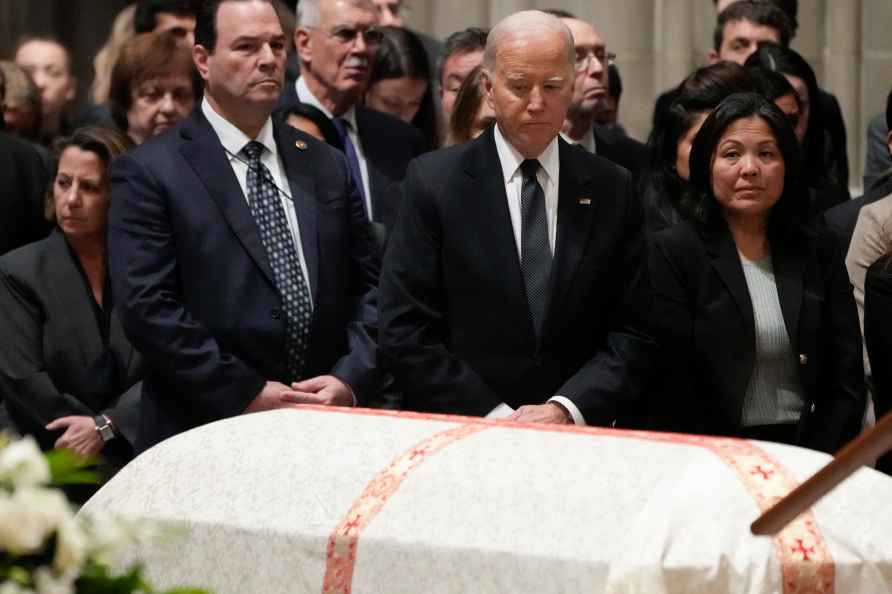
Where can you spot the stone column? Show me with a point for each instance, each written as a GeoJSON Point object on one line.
{"type": "Point", "coordinates": [674, 40]}
{"type": "Point", "coordinates": [876, 71]}
{"type": "Point", "coordinates": [842, 72]}
{"type": "Point", "coordinates": [628, 26]}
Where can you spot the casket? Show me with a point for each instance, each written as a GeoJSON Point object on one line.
{"type": "Point", "coordinates": [336, 501]}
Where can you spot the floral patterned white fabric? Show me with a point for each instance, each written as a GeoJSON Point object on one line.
{"type": "Point", "coordinates": [343, 501]}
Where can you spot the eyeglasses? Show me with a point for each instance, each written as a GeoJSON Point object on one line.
{"type": "Point", "coordinates": [347, 35]}
{"type": "Point", "coordinates": [584, 58]}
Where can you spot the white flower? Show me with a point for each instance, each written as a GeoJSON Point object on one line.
{"type": "Point", "coordinates": [108, 536]}
{"type": "Point", "coordinates": [23, 465]}
{"type": "Point", "coordinates": [10, 587]}
{"type": "Point", "coordinates": [47, 582]}
{"type": "Point", "coordinates": [29, 516]}
{"type": "Point", "coordinates": [71, 547]}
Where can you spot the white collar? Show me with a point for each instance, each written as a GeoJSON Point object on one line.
{"type": "Point", "coordinates": [305, 95]}
{"type": "Point", "coordinates": [587, 141]}
{"type": "Point", "coordinates": [510, 158]}
{"type": "Point", "coordinates": [233, 139]}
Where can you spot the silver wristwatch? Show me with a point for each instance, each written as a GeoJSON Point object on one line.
{"type": "Point", "coordinates": [104, 427]}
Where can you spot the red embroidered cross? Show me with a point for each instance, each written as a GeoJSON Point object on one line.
{"type": "Point", "coordinates": [418, 453]}
{"type": "Point", "coordinates": [801, 548]}
{"type": "Point", "coordinates": [353, 524]}
{"type": "Point", "coordinates": [766, 474]}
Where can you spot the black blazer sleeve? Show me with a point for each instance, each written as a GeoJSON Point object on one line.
{"type": "Point", "coordinates": [878, 337]}
{"type": "Point", "coordinates": [612, 382]}
{"type": "Point", "coordinates": [27, 385]}
{"type": "Point", "coordinates": [412, 308]}
{"type": "Point", "coordinates": [839, 392]}
{"type": "Point", "coordinates": [146, 282]}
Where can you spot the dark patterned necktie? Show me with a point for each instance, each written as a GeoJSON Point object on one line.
{"type": "Point", "coordinates": [343, 127]}
{"type": "Point", "coordinates": [535, 253]}
{"type": "Point", "coordinates": [269, 214]}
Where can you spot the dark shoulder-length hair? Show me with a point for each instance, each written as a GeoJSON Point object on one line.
{"type": "Point", "coordinates": [699, 93]}
{"type": "Point", "coordinates": [784, 60]}
{"type": "Point", "coordinates": [106, 143]}
{"type": "Point", "coordinates": [789, 213]}
{"type": "Point", "coordinates": [468, 101]}
{"type": "Point", "coordinates": [402, 54]}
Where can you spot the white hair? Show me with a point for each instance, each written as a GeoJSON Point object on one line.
{"type": "Point", "coordinates": [308, 12]}
{"type": "Point", "coordinates": [524, 21]}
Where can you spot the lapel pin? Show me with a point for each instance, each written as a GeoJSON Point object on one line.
{"type": "Point", "coordinates": [301, 145]}
{"type": "Point", "coordinates": [585, 201]}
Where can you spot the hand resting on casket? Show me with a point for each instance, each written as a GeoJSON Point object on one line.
{"type": "Point", "coordinates": [550, 412]}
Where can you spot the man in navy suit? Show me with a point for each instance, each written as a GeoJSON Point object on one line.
{"type": "Point", "coordinates": [336, 42]}
{"type": "Point", "coordinates": [217, 235]}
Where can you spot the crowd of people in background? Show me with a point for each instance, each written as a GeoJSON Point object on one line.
{"type": "Point", "coordinates": [266, 206]}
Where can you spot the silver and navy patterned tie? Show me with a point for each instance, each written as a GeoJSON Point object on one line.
{"type": "Point", "coordinates": [269, 214]}
{"type": "Point", "coordinates": [535, 253]}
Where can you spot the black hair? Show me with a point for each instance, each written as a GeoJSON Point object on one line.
{"type": "Point", "coordinates": [206, 21]}
{"type": "Point", "coordinates": [790, 8]}
{"type": "Point", "coordinates": [701, 92]}
{"type": "Point", "coordinates": [784, 60]}
{"type": "Point", "coordinates": [889, 111]}
{"type": "Point", "coordinates": [560, 13]}
{"type": "Point", "coordinates": [789, 213]}
{"type": "Point", "coordinates": [315, 115]}
{"type": "Point", "coordinates": [468, 40]}
{"type": "Point", "coordinates": [760, 12]}
{"type": "Point", "coordinates": [402, 54]}
{"type": "Point", "coordinates": [614, 82]}
{"type": "Point", "coordinates": [145, 19]}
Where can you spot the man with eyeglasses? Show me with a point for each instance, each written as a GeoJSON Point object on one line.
{"type": "Point", "coordinates": [336, 42]}
{"type": "Point", "coordinates": [240, 257]}
{"type": "Point", "coordinates": [590, 96]}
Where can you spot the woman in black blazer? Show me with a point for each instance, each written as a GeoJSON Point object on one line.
{"type": "Point", "coordinates": [67, 373]}
{"type": "Point", "coordinates": [754, 311]}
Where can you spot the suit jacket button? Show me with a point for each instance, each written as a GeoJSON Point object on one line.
{"type": "Point", "coordinates": [275, 313]}
{"type": "Point", "coordinates": [803, 359]}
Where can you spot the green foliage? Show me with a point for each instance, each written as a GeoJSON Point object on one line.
{"type": "Point", "coordinates": [68, 468]}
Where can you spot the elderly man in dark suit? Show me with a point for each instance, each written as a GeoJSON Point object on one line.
{"type": "Point", "coordinates": [217, 235]}
{"type": "Point", "coordinates": [336, 42]}
{"type": "Point", "coordinates": [590, 94]}
{"type": "Point", "coordinates": [514, 278]}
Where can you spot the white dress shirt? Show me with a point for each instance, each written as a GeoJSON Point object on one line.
{"type": "Point", "coordinates": [548, 177]}
{"type": "Point", "coordinates": [233, 141]}
{"type": "Point", "coordinates": [306, 96]}
{"type": "Point", "coordinates": [587, 141]}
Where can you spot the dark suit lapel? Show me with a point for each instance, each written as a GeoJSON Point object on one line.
{"type": "Point", "coordinates": [378, 182]}
{"type": "Point", "coordinates": [486, 183]}
{"type": "Point", "coordinates": [298, 165]}
{"type": "Point", "coordinates": [206, 156]}
{"type": "Point", "coordinates": [69, 291]}
{"type": "Point", "coordinates": [576, 211]}
{"type": "Point", "coordinates": [789, 268]}
{"type": "Point", "coordinates": [725, 260]}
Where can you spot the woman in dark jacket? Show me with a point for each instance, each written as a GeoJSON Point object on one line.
{"type": "Point", "coordinates": [754, 312]}
{"type": "Point", "coordinates": [68, 374]}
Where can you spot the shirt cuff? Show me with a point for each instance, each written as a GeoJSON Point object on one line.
{"type": "Point", "coordinates": [574, 411]}
{"type": "Point", "coordinates": [500, 412]}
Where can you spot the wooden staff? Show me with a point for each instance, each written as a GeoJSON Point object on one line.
{"type": "Point", "coordinates": [863, 450]}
